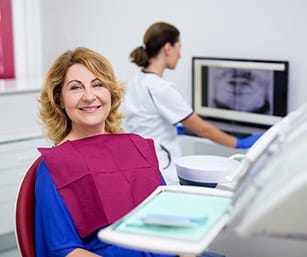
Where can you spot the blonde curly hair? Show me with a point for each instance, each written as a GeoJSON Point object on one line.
{"type": "Point", "coordinates": [53, 117]}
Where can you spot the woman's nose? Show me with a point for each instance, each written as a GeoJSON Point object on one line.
{"type": "Point", "coordinates": [89, 95]}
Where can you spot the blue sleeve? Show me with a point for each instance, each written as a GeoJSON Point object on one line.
{"type": "Point", "coordinates": [55, 232]}
{"type": "Point", "coordinates": [162, 179]}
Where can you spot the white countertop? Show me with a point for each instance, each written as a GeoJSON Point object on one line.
{"type": "Point", "coordinates": [20, 85]}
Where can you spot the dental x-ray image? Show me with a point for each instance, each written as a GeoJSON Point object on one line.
{"type": "Point", "coordinates": [241, 89]}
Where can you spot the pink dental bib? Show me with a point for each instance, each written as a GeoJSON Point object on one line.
{"type": "Point", "coordinates": [102, 178]}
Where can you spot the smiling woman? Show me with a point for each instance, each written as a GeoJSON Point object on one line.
{"type": "Point", "coordinates": [77, 80]}
{"type": "Point", "coordinates": [86, 101]}
{"type": "Point", "coordinates": [80, 181]}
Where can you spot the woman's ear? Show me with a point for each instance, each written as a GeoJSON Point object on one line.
{"type": "Point", "coordinates": [167, 48]}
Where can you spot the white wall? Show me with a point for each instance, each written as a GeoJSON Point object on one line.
{"type": "Point", "coordinates": [264, 29]}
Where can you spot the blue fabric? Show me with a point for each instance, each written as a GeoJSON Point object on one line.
{"type": "Point", "coordinates": [55, 233]}
{"type": "Point", "coordinates": [247, 142]}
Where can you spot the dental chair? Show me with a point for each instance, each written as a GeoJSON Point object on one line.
{"type": "Point", "coordinates": [24, 212]}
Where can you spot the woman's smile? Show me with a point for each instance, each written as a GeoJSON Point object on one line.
{"type": "Point", "coordinates": [90, 109]}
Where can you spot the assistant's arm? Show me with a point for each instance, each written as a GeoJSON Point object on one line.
{"type": "Point", "coordinates": [206, 130]}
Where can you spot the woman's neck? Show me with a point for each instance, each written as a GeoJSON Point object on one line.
{"type": "Point", "coordinates": [155, 71]}
{"type": "Point", "coordinates": [75, 135]}
{"type": "Point", "coordinates": [156, 66]}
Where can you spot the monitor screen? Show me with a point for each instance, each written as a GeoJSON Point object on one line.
{"type": "Point", "coordinates": [240, 91]}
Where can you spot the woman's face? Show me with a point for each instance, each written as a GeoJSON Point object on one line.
{"type": "Point", "coordinates": [173, 55]}
{"type": "Point", "coordinates": [85, 99]}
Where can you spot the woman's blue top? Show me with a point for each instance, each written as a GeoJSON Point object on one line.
{"type": "Point", "coordinates": [55, 232]}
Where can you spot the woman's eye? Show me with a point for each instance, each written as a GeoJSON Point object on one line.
{"type": "Point", "coordinates": [75, 86]}
{"type": "Point", "coordinates": [98, 85]}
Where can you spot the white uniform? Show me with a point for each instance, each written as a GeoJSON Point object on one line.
{"type": "Point", "coordinates": [152, 107]}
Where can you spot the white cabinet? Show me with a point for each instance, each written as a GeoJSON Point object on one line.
{"type": "Point", "coordinates": [20, 135]}
{"type": "Point", "coordinates": [19, 115]}
{"type": "Point", "coordinates": [15, 158]}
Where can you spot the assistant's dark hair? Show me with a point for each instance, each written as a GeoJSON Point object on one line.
{"type": "Point", "coordinates": [156, 36]}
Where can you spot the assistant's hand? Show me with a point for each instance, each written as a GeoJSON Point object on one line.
{"type": "Point", "coordinates": [247, 142]}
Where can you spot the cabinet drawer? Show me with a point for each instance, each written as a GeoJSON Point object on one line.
{"type": "Point", "coordinates": [15, 159]}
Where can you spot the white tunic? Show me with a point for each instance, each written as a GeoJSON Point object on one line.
{"type": "Point", "coordinates": [152, 107]}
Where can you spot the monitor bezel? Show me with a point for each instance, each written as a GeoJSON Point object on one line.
{"type": "Point", "coordinates": [231, 116]}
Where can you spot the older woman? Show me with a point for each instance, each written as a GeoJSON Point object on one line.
{"type": "Point", "coordinates": [94, 174]}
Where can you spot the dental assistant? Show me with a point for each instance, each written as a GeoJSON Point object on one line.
{"type": "Point", "coordinates": [153, 106]}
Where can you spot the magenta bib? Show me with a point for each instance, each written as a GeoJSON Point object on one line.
{"type": "Point", "coordinates": [102, 178]}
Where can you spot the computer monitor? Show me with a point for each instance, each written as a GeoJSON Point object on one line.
{"type": "Point", "coordinates": [240, 92]}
